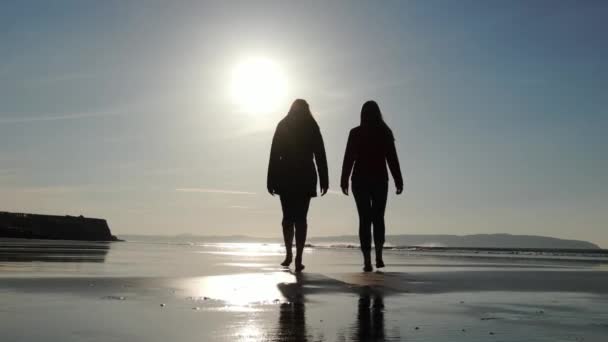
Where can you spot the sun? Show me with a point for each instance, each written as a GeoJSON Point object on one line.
{"type": "Point", "coordinates": [258, 85]}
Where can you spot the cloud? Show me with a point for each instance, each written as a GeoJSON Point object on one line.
{"type": "Point", "coordinates": [8, 171]}
{"type": "Point", "coordinates": [50, 190]}
{"type": "Point", "coordinates": [61, 189]}
{"type": "Point", "coordinates": [73, 116]}
{"type": "Point", "coordinates": [56, 78]}
{"type": "Point", "coordinates": [214, 191]}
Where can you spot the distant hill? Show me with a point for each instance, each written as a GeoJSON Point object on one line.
{"type": "Point", "coordinates": [473, 241]}
{"type": "Point", "coordinates": [476, 241]}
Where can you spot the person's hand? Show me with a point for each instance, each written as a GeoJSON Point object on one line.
{"type": "Point", "coordinates": [324, 190]}
{"type": "Point", "coordinates": [345, 189]}
{"type": "Point", "coordinates": [399, 190]}
{"type": "Point", "coordinates": [271, 191]}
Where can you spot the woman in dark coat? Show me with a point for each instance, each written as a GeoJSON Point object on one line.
{"type": "Point", "coordinates": [369, 148]}
{"type": "Point", "coordinates": [292, 175]}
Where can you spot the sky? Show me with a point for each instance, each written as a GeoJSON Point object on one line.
{"type": "Point", "coordinates": [123, 110]}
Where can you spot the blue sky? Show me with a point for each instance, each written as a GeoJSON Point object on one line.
{"type": "Point", "coordinates": [120, 109]}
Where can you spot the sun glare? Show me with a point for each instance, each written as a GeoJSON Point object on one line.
{"type": "Point", "coordinates": [258, 85]}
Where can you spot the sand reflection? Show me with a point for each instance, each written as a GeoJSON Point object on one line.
{"type": "Point", "coordinates": [240, 289]}
{"type": "Point", "coordinates": [245, 249]}
{"type": "Point", "coordinates": [292, 315]}
{"type": "Point", "coordinates": [370, 318]}
{"type": "Point", "coordinates": [18, 250]}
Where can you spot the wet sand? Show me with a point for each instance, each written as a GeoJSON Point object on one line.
{"type": "Point", "coordinates": [203, 293]}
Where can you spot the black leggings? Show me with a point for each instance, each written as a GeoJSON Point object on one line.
{"type": "Point", "coordinates": [371, 204]}
{"type": "Point", "coordinates": [295, 209]}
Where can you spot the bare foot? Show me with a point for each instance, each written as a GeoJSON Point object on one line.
{"type": "Point", "coordinates": [287, 261]}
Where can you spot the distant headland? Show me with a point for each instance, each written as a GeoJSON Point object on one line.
{"type": "Point", "coordinates": [52, 227]}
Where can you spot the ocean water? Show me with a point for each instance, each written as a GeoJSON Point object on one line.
{"type": "Point", "coordinates": [159, 290]}
{"type": "Point", "coordinates": [154, 256]}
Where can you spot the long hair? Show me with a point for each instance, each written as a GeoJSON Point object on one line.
{"type": "Point", "coordinates": [371, 119]}
{"type": "Point", "coordinates": [300, 116]}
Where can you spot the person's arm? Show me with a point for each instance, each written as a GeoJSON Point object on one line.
{"type": "Point", "coordinates": [393, 165]}
{"type": "Point", "coordinates": [321, 161]}
{"type": "Point", "coordinates": [273, 163]}
{"type": "Point", "coordinates": [347, 164]}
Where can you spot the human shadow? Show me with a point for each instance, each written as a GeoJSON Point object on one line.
{"type": "Point", "coordinates": [292, 314]}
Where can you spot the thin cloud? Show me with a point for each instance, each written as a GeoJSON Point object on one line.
{"type": "Point", "coordinates": [50, 190]}
{"type": "Point", "coordinates": [214, 191]}
{"type": "Point", "coordinates": [8, 171]}
{"type": "Point", "coordinates": [76, 116]}
{"type": "Point", "coordinates": [66, 77]}
{"type": "Point", "coordinates": [57, 190]}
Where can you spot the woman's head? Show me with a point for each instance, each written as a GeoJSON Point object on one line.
{"type": "Point", "coordinates": [299, 109]}
{"type": "Point", "coordinates": [371, 117]}
{"type": "Point", "coordinates": [299, 117]}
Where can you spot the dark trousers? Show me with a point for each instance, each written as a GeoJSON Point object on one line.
{"type": "Point", "coordinates": [295, 210]}
{"type": "Point", "coordinates": [371, 204]}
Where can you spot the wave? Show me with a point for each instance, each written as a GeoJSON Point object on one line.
{"type": "Point", "coordinates": [429, 248]}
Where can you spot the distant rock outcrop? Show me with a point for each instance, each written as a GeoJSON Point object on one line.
{"type": "Point", "coordinates": [33, 226]}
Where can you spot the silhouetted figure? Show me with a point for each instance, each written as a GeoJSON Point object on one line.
{"type": "Point", "coordinates": [292, 175]}
{"type": "Point", "coordinates": [370, 318]}
{"type": "Point", "coordinates": [369, 148]}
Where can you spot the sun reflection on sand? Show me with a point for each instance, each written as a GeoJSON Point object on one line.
{"type": "Point", "coordinates": [239, 289]}
{"type": "Point", "coordinates": [249, 332]}
{"type": "Point", "coordinates": [247, 249]}
{"type": "Point", "coordinates": [245, 264]}
{"type": "Point", "coordinates": [243, 253]}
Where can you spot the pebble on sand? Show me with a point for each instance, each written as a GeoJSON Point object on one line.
{"type": "Point", "coordinates": [417, 328]}
{"type": "Point", "coordinates": [162, 305]}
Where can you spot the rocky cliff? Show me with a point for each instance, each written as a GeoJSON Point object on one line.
{"type": "Point", "coordinates": [33, 226]}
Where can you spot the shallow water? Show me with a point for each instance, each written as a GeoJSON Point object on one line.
{"type": "Point", "coordinates": [160, 258]}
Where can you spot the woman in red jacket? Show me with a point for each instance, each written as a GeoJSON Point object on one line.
{"type": "Point", "coordinates": [370, 147]}
{"type": "Point", "coordinates": [292, 175]}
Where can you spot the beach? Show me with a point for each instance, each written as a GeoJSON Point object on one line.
{"type": "Point", "coordinates": [192, 291]}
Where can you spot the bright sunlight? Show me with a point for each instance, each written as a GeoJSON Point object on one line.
{"type": "Point", "coordinates": [258, 85]}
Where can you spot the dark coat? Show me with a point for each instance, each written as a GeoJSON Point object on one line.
{"type": "Point", "coordinates": [369, 150]}
{"type": "Point", "coordinates": [291, 169]}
